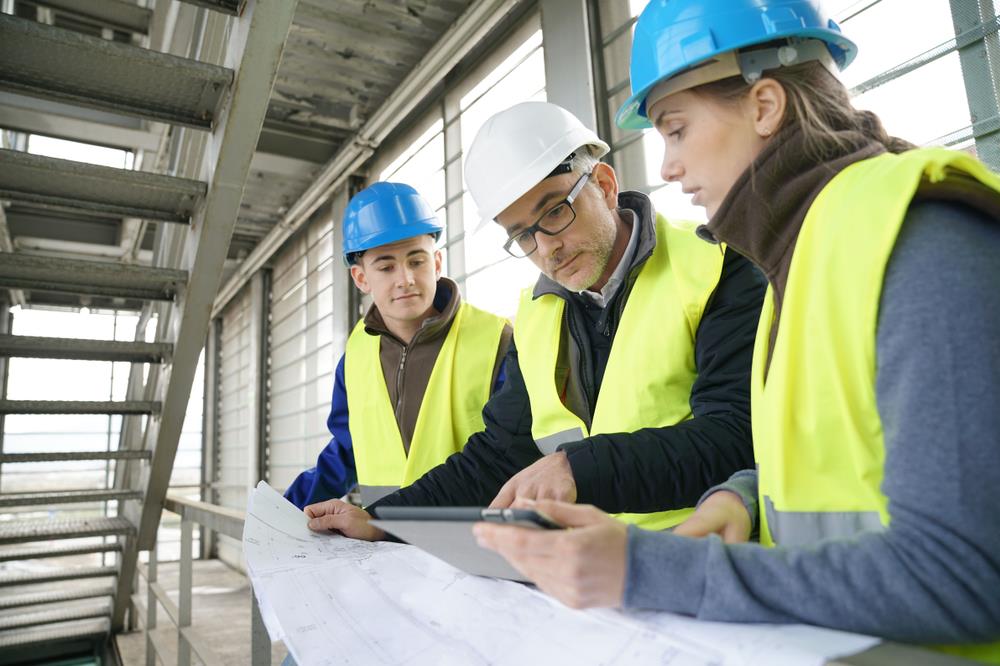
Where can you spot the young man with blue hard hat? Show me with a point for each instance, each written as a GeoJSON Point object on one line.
{"type": "Point", "coordinates": [417, 369]}
{"type": "Point", "coordinates": [874, 391]}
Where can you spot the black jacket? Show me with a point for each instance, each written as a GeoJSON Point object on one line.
{"type": "Point", "coordinates": [652, 469]}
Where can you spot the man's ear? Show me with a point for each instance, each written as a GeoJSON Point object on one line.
{"type": "Point", "coordinates": [607, 180]}
{"type": "Point", "coordinates": [438, 261]}
{"type": "Point", "coordinates": [768, 101]}
{"type": "Point", "coordinates": [360, 279]}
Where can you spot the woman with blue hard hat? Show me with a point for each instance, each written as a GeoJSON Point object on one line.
{"type": "Point", "coordinates": [874, 391]}
{"type": "Point", "coordinates": [416, 370]}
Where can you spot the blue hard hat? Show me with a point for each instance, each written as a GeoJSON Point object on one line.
{"type": "Point", "coordinates": [385, 213]}
{"type": "Point", "coordinates": [672, 36]}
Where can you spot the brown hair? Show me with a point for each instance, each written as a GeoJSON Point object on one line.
{"type": "Point", "coordinates": [819, 103]}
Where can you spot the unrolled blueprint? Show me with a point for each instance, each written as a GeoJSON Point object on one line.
{"type": "Point", "coordinates": [338, 601]}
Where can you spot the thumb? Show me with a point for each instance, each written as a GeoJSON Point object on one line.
{"type": "Point", "coordinates": [571, 515]}
{"type": "Point", "coordinates": [695, 526]}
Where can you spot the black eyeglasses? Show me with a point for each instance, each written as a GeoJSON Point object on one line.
{"type": "Point", "coordinates": [551, 223]}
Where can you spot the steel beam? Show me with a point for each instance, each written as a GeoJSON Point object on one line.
{"type": "Point", "coordinates": [982, 81]}
{"type": "Point", "coordinates": [461, 38]}
{"type": "Point", "coordinates": [569, 78]}
{"type": "Point", "coordinates": [68, 66]}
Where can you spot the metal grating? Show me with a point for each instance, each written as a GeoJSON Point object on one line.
{"type": "Point", "coordinates": [12, 554]}
{"type": "Point", "coordinates": [69, 594]}
{"type": "Point", "coordinates": [76, 611]}
{"type": "Point", "coordinates": [96, 278]}
{"type": "Point", "coordinates": [56, 633]}
{"type": "Point", "coordinates": [67, 185]}
{"type": "Point", "coordinates": [56, 456]}
{"type": "Point", "coordinates": [66, 497]}
{"type": "Point", "coordinates": [72, 573]}
{"type": "Point", "coordinates": [26, 346]}
{"type": "Point", "coordinates": [78, 407]}
{"type": "Point", "coordinates": [24, 531]}
{"type": "Point", "coordinates": [43, 61]}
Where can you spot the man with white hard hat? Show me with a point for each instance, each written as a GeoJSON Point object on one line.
{"type": "Point", "coordinates": [628, 381]}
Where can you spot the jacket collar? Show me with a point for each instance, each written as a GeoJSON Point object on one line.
{"type": "Point", "coordinates": [446, 302]}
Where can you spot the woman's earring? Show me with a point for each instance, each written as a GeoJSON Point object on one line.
{"type": "Point", "coordinates": [766, 131]}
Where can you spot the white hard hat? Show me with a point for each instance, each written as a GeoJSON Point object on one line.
{"type": "Point", "coordinates": [517, 148]}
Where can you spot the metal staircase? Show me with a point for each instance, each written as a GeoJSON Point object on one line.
{"type": "Point", "coordinates": [211, 106]}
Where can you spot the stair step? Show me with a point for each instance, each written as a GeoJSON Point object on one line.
{"type": "Point", "coordinates": [66, 497]}
{"type": "Point", "coordinates": [70, 573]}
{"type": "Point", "coordinates": [44, 61]}
{"type": "Point", "coordinates": [94, 278]}
{"type": "Point", "coordinates": [28, 346]}
{"type": "Point", "coordinates": [60, 456]}
{"type": "Point", "coordinates": [57, 596]}
{"type": "Point", "coordinates": [76, 611]}
{"type": "Point", "coordinates": [79, 407]}
{"type": "Point", "coordinates": [118, 14]}
{"type": "Point", "coordinates": [61, 632]}
{"type": "Point", "coordinates": [12, 554]}
{"type": "Point", "coordinates": [24, 531]}
{"type": "Point", "coordinates": [221, 6]}
{"type": "Point", "coordinates": [67, 185]}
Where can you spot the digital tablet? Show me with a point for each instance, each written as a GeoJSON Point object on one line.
{"type": "Point", "coordinates": [446, 533]}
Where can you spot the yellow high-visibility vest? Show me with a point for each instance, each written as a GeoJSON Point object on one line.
{"type": "Point", "coordinates": [817, 433]}
{"type": "Point", "coordinates": [647, 383]}
{"type": "Point", "coordinates": [450, 412]}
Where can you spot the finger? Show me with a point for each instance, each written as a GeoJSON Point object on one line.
{"type": "Point", "coordinates": [506, 495]}
{"type": "Point", "coordinates": [695, 526]}
{"type": "Point", "coordinates": [320, 508]}
{"type": "Point", "coordinates": [571, 515]}
{"type": "Point", "coordinates": [516, 542]}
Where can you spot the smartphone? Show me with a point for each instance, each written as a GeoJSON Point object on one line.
{"type": "Point", "coordinates": [521, 517]}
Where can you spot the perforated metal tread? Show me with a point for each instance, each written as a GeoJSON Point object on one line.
{"type": "Point", "coordinates": [66, 497]}
{"type": "Point", "coordinates": [78, 407]}
{"type": "Point", "coordinates": [35, 553]}
{"type": "Point", "coordinates": [70, 594]}
{"type": "Point", "coordinates": [68, 185]}
{"type": "Point", "coordinates": [29, 346]}
{"type": "Point", "coordinates": [71, 573]}
{"type": "Point", "coordinates": [57, 456]}
{"type": "Point", "coordinates": [68, 66]}
{"type": "Point", "coordinates": [32, 617]}
{"type": "Point", "coordinates": [94, 278]}
{"type": "Point", "coordinates": [25, 531]}
{"type": "Point", "coordinates": [62, 631]}
{"type": "Point", "coordinates": [223, 6]}
{"type": "Point", "coordinates": [126, 16]}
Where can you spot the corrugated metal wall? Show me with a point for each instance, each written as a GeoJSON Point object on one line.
{"type": "Point", "coordinates": [232, 474]}
{"type": "Point", "coordinates": [303, 350]}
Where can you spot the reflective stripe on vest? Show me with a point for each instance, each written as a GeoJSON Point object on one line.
{"type": "Point", "coordinates": [450, 412]}
{"type": "Point", "coordinates": [647, 382]}
{"type": "Point", "coordinates": [817, 432]}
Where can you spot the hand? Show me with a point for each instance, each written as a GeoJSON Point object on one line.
{"type": "Point", "coordinates": [338, 516]}
{"type": "Point", "coordinates": [583, 567]}
{"type": "Point", "coordinates": [548, 478]}
{"type": "Point", "coordinates": [722, 513]}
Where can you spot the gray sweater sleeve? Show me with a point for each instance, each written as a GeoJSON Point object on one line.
{"type": "Point", "coordinates": [934, 575]}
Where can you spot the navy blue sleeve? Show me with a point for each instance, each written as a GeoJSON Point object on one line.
{"type": "Point", "coordinates": [335, 472]}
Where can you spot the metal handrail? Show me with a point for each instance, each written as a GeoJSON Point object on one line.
{"type": "Point", "coordinates": [221, 520]}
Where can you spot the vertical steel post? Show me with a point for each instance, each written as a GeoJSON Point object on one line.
{"type": "Point", "coordinates": [569, 77]}
{"type": "Point", "coordinates": [260, 642]}
{"type": "Point", "coordinates": [6, 323]}
{"type": "Point", "coordinates": [184, 593]}
{"type": "Point", "coordinates": [981, 81]}
{"type": "Point", "coordinates": [210, 430]}
{"type": "Point", "coordinates": [150, 607]}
